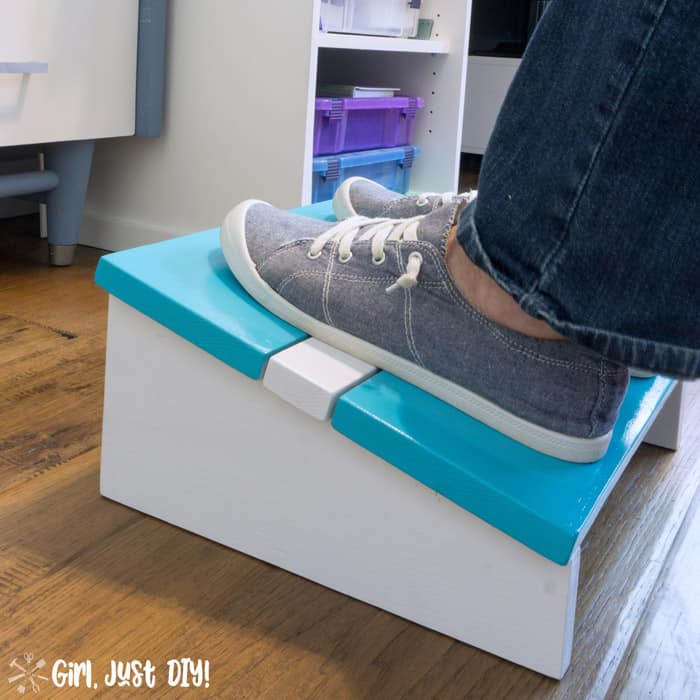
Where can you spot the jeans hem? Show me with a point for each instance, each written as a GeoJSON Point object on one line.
{"type": "Point", "coordinates": [662, 358]}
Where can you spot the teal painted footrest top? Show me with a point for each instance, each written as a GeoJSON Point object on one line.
{"type": "Point", "coordinates": [543, 502]}
{"type": "Point", "coordinates": [186, 285]}
{"type": "Point", "coordinates": [547, 504]}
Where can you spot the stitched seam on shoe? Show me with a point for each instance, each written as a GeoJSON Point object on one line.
{"type": "Point", "coordinates": [350, 277]}
{"type": "Point", "coordinates": [456, 207]}
{"type": "Point", "coordinates": [384, 213]}
{"type": "Point", "coordinates": [407, 310]}
{"type": "Point", "coordinates": [602, 390]}
{"type": "Point", "coordinates": [297, 275]}
{"type": "Point", "coordinates": [385, 209]}
{"type": "Point", "coordinates": [327, 285]}
{"type": "Point", "coordinates": [400, 267]}
{"type": "Point", "coordinates": [446, 284]}
{"type": "Point", "coordinates": [489, 326]}
{"type": "Point", "coordinates": [409, 328]}
{"type": "Point", "coordinates": [336, 275]}
{"type": "Point", "coordinates": [310, 274]}
{"type": "Point", "coordinates": [284, 249]}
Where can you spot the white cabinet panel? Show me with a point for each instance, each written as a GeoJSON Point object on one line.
{"type": "Point", "coordinates": [488, 80]}
{"type": "Point", "coordinates": [88, 50]}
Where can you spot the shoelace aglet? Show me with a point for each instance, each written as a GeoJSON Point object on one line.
{"type": "Point", "coordinates": [403, 282]}
{"type": "Point", "coordinates": [409, 279]}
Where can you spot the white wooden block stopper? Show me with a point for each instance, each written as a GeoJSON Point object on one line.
{"type": "Point", "coordinates": [666, 430]}
{"type": "Point", "coordinates": [312, 375]}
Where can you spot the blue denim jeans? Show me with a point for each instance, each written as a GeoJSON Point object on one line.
{"type": "Point", "coordinates": [589, 195]}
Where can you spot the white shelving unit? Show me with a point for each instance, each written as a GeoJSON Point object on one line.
{"type": "Point", "coordinates": [241, 113]}
{"type": "Point", "coordinates": [434, 69]}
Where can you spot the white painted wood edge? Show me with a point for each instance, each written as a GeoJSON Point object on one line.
{"type": "Point", "coordinates": [666, 430]}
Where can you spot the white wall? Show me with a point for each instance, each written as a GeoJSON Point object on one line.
{"type": "Point", "coordinates": [236, 69]}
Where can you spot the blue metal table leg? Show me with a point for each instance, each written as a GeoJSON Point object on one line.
{"type": "Point", "coordinates": [71, 161]}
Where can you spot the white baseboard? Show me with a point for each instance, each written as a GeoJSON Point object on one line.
{"type": "Point", "coordinates": [119, 233]}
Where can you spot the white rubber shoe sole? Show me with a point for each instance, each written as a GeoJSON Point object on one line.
{"type": "Point", "coordinates": [559, 445]}
{"type": "Point", "coordinates": [342, 204]}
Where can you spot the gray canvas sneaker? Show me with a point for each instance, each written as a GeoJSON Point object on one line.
{"type": "Point", "coordinates": [358, 196]}
{"type": "Point", "coordinates": [379, 289]}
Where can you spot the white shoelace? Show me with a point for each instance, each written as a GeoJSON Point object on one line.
{"type": "Point", "coordinates": [378, 231]}
{"type": "Point", "coordinates": [445, 197]}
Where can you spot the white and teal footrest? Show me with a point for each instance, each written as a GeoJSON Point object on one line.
{"type": "Point", "coordinates": [224, 420]}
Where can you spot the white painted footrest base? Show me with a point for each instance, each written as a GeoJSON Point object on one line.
{"type": "Point", "coordinates": [190, 441]}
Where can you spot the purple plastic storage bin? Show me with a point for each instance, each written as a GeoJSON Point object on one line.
{"type": "Point", "coordinates": [360, 123]}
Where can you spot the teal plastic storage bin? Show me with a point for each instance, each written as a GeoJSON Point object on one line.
{"type": "Point", "coordinates": [390, 167]}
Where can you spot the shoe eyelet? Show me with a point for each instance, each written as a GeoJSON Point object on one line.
{"type": "Point", "coordinates": [345, 258]}
{"type": "Point", "coordinates": [314, 256]}
{"type": "Point", "coordinates": [416, 256]}
{"type": "Point", "coordinates": [379, 261]}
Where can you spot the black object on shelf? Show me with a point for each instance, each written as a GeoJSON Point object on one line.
{"type": "Point", "coordinates": [504, 27]}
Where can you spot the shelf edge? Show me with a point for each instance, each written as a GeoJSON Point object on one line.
{"type": "Point", "coordinates": [359, 42]}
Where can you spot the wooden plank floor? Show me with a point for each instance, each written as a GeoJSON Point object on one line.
{"type": "Point", "coordinates": [84, 578]}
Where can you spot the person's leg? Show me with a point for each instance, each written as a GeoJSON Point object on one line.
{"type": "Point", "coordinates": [588, 212]}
